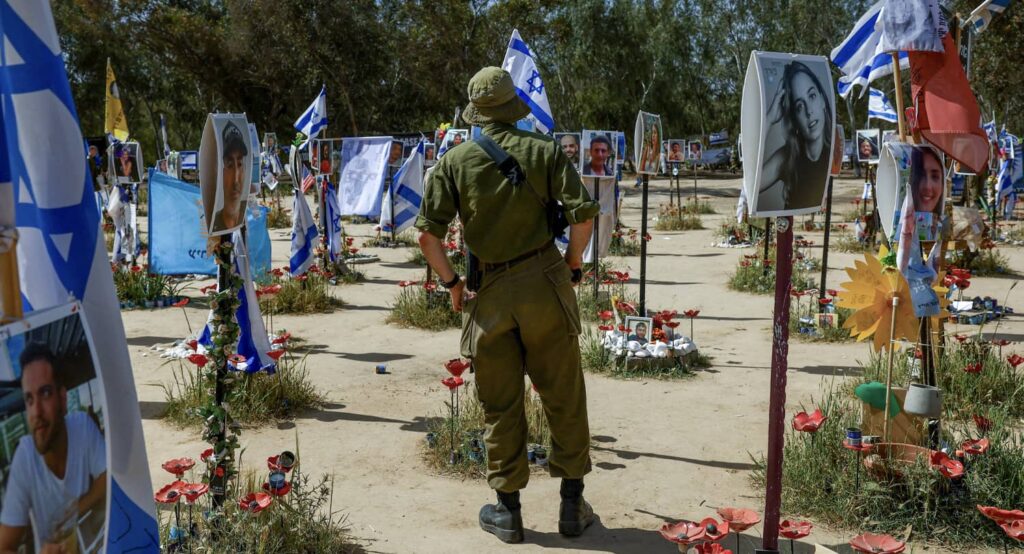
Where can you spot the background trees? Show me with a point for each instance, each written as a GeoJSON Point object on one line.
{"type": "Point", "coordinates": [395, 66]}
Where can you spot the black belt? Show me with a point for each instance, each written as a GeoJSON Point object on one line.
{"type": "Point", "coordinates": [488, 267]}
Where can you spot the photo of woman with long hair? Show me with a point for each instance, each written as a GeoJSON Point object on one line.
{"type": "Point", "coordinates": [799, 123]}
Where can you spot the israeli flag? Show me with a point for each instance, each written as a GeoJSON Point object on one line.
{"type": "Point", "coordinates": [304, 234]}
{"type": "Point", "coordinates": [860, 58]}
{"type": "Point", "coordinates": [990, 130]}
{"type": "Point", "coordinates": [253, 342]}
{"type": "Point", "coordinates": [880, 108]}
{"type": "Point", "coordinates": [982, 15]}
{"type": "Point", "coordinates": [407, 193]}
{"type": "Point", "coordinates": [61, 252]}
{"type": "Point", "coordinates": [520, 64]}
{"type": "Point", "coordinates": [334, 229]}
{"type": "Point", "coordinates": [314, 119]}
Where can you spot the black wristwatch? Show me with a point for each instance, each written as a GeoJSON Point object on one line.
{"type": "Point", "coordinates": [577, 275]}
{"type": "Point", "coordinates": [451, 284]}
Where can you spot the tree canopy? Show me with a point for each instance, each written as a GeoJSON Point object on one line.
{"type": "Point", "coordinates": [393, 66]}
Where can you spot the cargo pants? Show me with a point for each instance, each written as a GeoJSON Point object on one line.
{"type": "Point", "coordinates": [525, 319]}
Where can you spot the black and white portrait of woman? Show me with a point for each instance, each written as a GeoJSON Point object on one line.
{"type": "Point", "coordinates": [797, 129]}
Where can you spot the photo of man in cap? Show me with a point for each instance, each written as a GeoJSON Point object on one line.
{"type": "Point", "coordinates": [523, 316]}
{"type": "Point", "coordinates": [234, 186]}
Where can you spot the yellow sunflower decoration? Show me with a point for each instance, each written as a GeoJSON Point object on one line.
{"type": "Point", "coordinates": [870, 295]}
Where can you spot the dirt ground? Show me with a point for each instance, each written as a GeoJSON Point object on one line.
{"type": "Point", "coordinates": [662, 450]}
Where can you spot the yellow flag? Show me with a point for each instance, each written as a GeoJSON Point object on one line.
{"type": "Point", "coordinates": [117, 123]}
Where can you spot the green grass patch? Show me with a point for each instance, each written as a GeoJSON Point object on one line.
{"type": "Point", "coordinates": [848, 243]}
{"type": "Point", "coordinates": [402, 240]}
{"type": "Point", "coordinates": [986, 262]}
{"type": "Point", "coordinates": [278, 217]}
{"type": "Point", "coordinates": [415, 306]}
{"type": "Point", "coordinates": [625, 242]}
{"type": "Point", "coordinates": [301, 296]}
{"type": "Point", "coordinates": [752, 276]}
{"type": "Point", "coordinates": [835, 333]}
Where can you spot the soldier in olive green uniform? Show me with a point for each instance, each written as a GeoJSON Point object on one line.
{"type": "Point", "coordinates": [524, 316]}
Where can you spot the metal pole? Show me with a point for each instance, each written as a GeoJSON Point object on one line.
{"type": "Point", "coordinates": [643, 250]}
{"type": "Point", "coordinates": [777, 402]}
{"type": "Point", "coordinates": [594, 241]}
{"type": "Point", "coordinates": [391, 198]}
{"type": "Point", "coordinates": [824, 251]}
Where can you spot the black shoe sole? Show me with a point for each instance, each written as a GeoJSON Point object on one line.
{"type": "Point", "coordinates": [509, 536]}
{"type": "Point", "coordinates": [574, 528]}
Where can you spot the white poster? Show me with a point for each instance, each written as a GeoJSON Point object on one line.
{"type": "Point", "coordinates": [788, 126]}
{"type": "Point", "coordinates": [225, 167]}
{"type": "Point", "coordinates": [364, 168]}
{"type": "Point", "coordinates": [605, 220]}
{"type": "Point", "coordinates": [912, 25]}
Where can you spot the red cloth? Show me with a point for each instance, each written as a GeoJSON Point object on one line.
{"type": "Point", "coordinates": [947, 112]}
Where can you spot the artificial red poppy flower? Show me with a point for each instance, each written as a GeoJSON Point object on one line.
{"type": "Point", "coordinates": [795, 293]}
{"type": "Point", "coordinates": [691, 313]}
{"type": "Point", "coordinates": [457, 366]}
{"type": "Point", "coordinates": [254, 502]}
{"type": "Point", "coordinates": [1000, 342]}
{"type": "Point", "coordinates": [281, 339]}
{"type": "Point", "coordinates": [1001, 516]}
{"type": "Point", "coordinates": [983, 423]}
{"type": "Point", "coordinates": [948, 467]}
{"type": "Point", "coordinates": [271, 289]}
{"type": "Point", "coordinates": [711, 548]}
{"type": "Point", "coordinates": [976, 446]}
{"type": "Point", "coordinates": [918, 354]}
{"type": "Point", "coordinates": [623, 277]}
{"type": "Point", "coordinates": [960, 338]}
{"type": "Point", "coordinates": [668, 315]}
{"type": "Point", "coordinates": [714, 530]}
{"type": "Point", "coordinates": [623, 328]}
{"type": "Point", "coordinates": [1014, 530]}
{"type": "Point", "coordinates": [277, 272]}
{"type": "Point", "coordinates": [430, 287]}
{"type": "Point", "coordinates": [974, 368]}
{"type": "Point", "coordinates": [878, 544]}
{"type": "Point", "coordinates": [181, 303]}
{"type": "Point", "coordinates": [193, 344]}
{"type": "Point", "coordinates": [285, 489]}
{"type": "Point", "coordinates": [683, 532]}
{"type": "Point", "coordinates": [832, 292]}
{"type": "Point", "coordinates": [824, 301]}
{"type": "Point", "coordinates": [169, 494]}
{"type": "Point", "coordinates": [740, 519]}
{"type": "Point", "coordinates": [208, 289]}
{"type": "Point", "coordinates": [672, 324]}
{"type": "Point", "coordinates": [793, 530]}
{"type": "Point", "coordinates": [236, 361]}
{"type": "Point", "coordinates": [353, 250]}
{"type": "Point", "coordinates": [136, 269]}
{"type": "Point", "coordinates": [744, 263]}
{"type": "Point", "coordinates": [963, 284]}
{"type": "Point", "coordinates": [606, 327]}
{"type": "Point", "coordinates": [605, 315]}
{"type": "Point", "coordinates": [300, 278]}
{"type": "Point", "coordinates": [206, 456]}
{"type": "Point", "coordinates": [178, 466]}
{"type": "Point", "coordinates": [198, 359]}
{"type": "Point", "coordinates": [856, 201]}
{"type": "Point", "coordinates": [276, 354]}
{"type": "Point", "coordinates": [193, 491]}
{"type": "Point", "coordinates": [647, 236]}
{"type": "Point", "coordinates": [349, 241]}
{"type": "Point", "coordinates": [751, 256]}
{"type": "Point", "coordinates": [809, 423]}
{"type": "Point", "coordinates": [607, 282]}
{"type": "Point", "coordinates": [625, 307]}
{"type": "Point", "coordinates": [452, 382]}
{"type": "Point", "coordinates": [1015, 360]}
{"type": "Point", "coordinates": [404, 284]}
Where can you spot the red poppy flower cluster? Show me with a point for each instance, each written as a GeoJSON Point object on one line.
{"type": "Point", "coordinates": [688, 533]}
{"type": "Point", "coordinates": [1015, 360]}
{"type": "Point", "coordinates": [974, 368]}
{"type": "Point", "coordinates": [961, 278]}
{"type": "Point", "coordinates": [744, 263]}
{"type": "Point", "coordinates": [625, 307]}
{"type": "Point", "coordinates": [268, 290]}
{"type": "Point", "coordinates": [606, 327]}
{"type": "Point", "coordinates": [277, 272]}
{"type": "Point", "coordinates": [801, 243]}
{"type": "Point", "coordinates": [809, 423]}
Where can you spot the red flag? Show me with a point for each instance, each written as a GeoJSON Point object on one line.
{"type": "Point", "coordinates": [947, 112]}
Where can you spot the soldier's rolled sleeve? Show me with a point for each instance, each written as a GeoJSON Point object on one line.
{"type": "Point", "coordinates": [438, 207]}
{"type": "Point", "coordinates": [567, 187]}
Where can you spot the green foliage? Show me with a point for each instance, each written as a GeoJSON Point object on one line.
{"type": "Point", "coordinates": [624, 242]}
{"type": "Point", "coordinates": [671, 218]}
{"type": "Point", "coordinates": [986, 262]}
{"type": "Point", "coordinates": [255, 399]}
{"type": "Point", "coordinates": [278, 217]}
{"type": "Point", "coordinates": [752, 276]}
{"type": "Point", "coordinates": [403, 239]}
{"type": "Point", "coordinates": [416, 306]}
{"type": "Point", "coordinates": [819, 334]}
{"type": "Point", "coordinates": [306, 294]}
{"type": "Point", "coordinates": [847, 242]}
{"type": "Point", "coordinates": [137, 285]}
{"type": "Point", "coordinates": [596, 359]}
{"type": "Point", "coordinates": [820, 481]}
{"type": "Point", "coordinates": [467, 427]}
{"type": "Point", "coordinates": [699, 207]}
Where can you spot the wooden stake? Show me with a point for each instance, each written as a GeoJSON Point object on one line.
{"type": "Point", "coordinates": [10, 289]}
{"type": "Point", "coordinates": [898, 77]}
{"type": "Point", "coordinates": [888, 371]}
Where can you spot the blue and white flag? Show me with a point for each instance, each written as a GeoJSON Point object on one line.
{"type": "Point", "coordinates": [304, 234]}
{"type": "Point", "coordinates": [314, 119]}
{"type": "Point", "coordinates": [520, 64]}
{"type": "Point", "coordinates": [990, 130]}
{"type": "Point", "coordinates": [982, 15]}
{"type": "Point", "coordinates": [163, 135]}
{"type": "Point", "coordinates": [61, 252]}
{"type": "Point", "coordinates": [334, 228]}
{"type": "Point", "coordinates": [1011, 171]}
{"type": "Point", "coordinates": [253, 342]}
{"type": "Point", "coordinates": [879, 107]}
{"type": "Point", "coordinates": [860, 57]}
{"type": "Point", "coordinates": [407, 194]}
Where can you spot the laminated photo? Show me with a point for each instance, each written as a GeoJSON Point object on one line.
{"type": "Point", "coordinates": [675, 151]}
{"type": "Point", "coordinates": [647, 142]}
{"type": "Point", "coordinates": [869, 142]}
{"type": "Point", "coordinates": [125, 162]}
{"type": "Point", "coordinates": [788, 124]}
{"type": "Point", "coordinates": [225, 166]}
{"type": "Point", "coordinates": [570, 144]}
{"type": "Point", "coordinates": [598, 154]}
{"type": "Point", "coordinates": [918, 169]}
{"type": "Point", "coordinates": [52, 411]}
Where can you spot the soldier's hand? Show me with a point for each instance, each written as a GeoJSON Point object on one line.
{"type": "Point", "coordinates": [457, 293]}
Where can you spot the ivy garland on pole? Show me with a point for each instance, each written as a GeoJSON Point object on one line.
{"type": "Point", "coordinates": [220, 429]}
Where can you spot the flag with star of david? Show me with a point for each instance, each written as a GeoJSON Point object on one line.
{"type": "Point", "coordinates": [61, 252]}
{"type": "Point", "coordinates": [520, 64]}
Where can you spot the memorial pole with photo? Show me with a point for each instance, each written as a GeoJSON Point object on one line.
{"type": "Point", "coordinates": [788, 126]}
{"type": "Point", "coordinates": [647, 148]}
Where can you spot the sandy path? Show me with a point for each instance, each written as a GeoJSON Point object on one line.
{"type": "Point", "coordinates": [663, 449]}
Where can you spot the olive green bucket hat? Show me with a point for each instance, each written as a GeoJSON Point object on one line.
{"type": "Point", "coordinates": [493, 98]}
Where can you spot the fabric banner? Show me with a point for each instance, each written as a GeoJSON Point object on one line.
{"type": "Point", "coordinates": [363, 170]}
{"type": "Point", "coordinates": [408, 193]}
{"type": "Point", "coordinates": [177, 243]}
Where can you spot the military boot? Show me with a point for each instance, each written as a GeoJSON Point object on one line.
{"type": "Point", "coordinates": [503, 520]}
{"type": "Point", "coordinates": [575, 514]}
